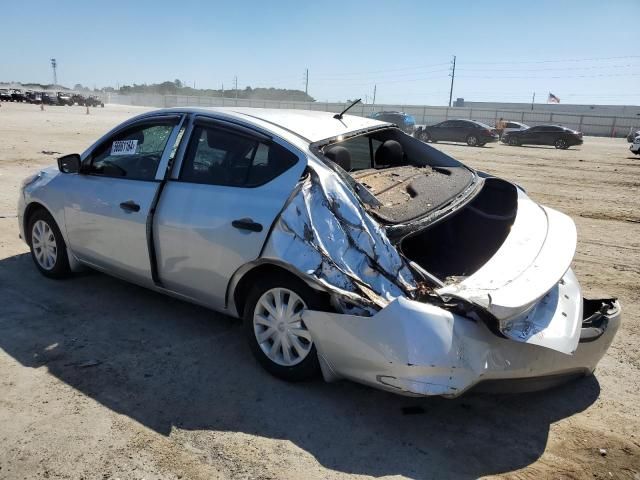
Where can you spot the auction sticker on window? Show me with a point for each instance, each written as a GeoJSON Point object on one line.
{"type": "Point", "coordinates": [124, 147]}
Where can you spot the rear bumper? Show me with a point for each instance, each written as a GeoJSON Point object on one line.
{"type": "Point", "coordinates": [417, 349]}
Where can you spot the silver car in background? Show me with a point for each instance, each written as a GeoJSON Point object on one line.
{"type": "Point", "coordinates": [346, 246]}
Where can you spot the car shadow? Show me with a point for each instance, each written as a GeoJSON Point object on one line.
{"type": "Point", "coordinates": [463, 144]}
{"type": "Point", "coordinates": [546, 147]}
{"type": "Point", "coordinates": [168, 364]}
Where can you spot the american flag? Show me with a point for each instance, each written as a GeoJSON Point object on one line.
{"type": "Point", "coordinates": [552, 98]}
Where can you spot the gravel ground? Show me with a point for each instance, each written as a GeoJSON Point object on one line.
{"type": "Point", "coordinates": [100, 379]}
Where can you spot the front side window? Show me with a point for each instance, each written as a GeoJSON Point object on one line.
{"type": "Point", "coordinates": [220, 157]}
{"type": "Point", "coordinates": [133, 154]}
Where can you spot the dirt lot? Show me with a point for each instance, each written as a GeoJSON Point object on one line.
{"type": "Point", "coordinates": [100, 379]}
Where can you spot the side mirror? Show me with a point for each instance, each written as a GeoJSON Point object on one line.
{"type": "Point", "coordinates": [69, 163]}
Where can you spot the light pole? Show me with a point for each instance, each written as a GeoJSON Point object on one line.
{"type": "Point", "coordinates": [54, 65]}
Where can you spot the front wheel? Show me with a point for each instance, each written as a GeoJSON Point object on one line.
{"type": "Point", "coordinates": [424, 136]}
{"type": "Point", "coordinates": [561, 144]}
{"type": "Point", "coordinates": [514, 142]}
{"type": "Point", "coordinates": [48, 249]}
{"type": "Point", "coordinates": [277, 335]}
{"type": "Point", "coordinates": [472, 141]}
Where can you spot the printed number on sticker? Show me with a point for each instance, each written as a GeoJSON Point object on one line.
{"type": "Point", "coordinates": [124, 147]}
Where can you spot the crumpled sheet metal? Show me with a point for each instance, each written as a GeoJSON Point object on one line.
{"type": "Point", "coordinates": [324, 232]}
{"type": "Point", "coordinates": [415, 348]}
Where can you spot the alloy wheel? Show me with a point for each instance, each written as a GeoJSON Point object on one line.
{"type": "Point", "coordinates": [279, 329]}
{"type": "Point", "coordinates": [560, 143]}
{"type": "Point", "coordinates": [44, 244]}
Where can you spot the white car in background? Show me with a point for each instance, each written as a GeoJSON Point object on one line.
{"type": "Point", "coordinates": [346, 246]}
{"type": "Point", "coordinates": [514, 127]}
{"type": "Point", "coordinates": [635, 146]}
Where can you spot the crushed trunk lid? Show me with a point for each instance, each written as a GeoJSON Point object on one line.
{"type": "Point", "coordinates": [523, 279]}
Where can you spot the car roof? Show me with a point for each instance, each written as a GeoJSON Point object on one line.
{"type": "Point", "coordinates": [309, 125]}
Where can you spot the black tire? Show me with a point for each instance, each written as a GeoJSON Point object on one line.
{"type": "Point", "coordinates": [472, 141]}
{"type": "Point", "coordinates": [514, 142]}
{"type": "Point", "coordinates": [424, 136]}
{"type": "Point", "coordinates": [561, 144]}
{"type": "Point", "coordinates": [309, 367]}
{"type": "Point", "coordinates": [60, 268]}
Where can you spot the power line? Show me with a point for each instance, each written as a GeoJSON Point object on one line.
{"type": "Point", "coordinates": [386, 70]}
{"type": "Point", "coordinates": [593, 67]}
{"type": "Point", "coordinates": [505, 77]}
{"type": "Point", "coordinates": [556, 61]}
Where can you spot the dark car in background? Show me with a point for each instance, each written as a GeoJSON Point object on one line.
{"type": "Point", "coordinates": [64, 98]}
{"type": "Point", "coordinates": [79, 99]}
{"type": "Point", "coordinates": [93, 101]}
{"type": "Point", "coordinates": [18, 95]}
{"type": "Point", "coordinates": [473, 133]}
{"type": "Point", "coordinates": [405, 122]}
{"type": "Point", "coordinates": [560, 137]}
{"type": "Point", "coordinates": [5, 95]}
{"type": "Point", "coordinates": [34, 97]}
{"type": "Point", "coordinates": [50, 98]}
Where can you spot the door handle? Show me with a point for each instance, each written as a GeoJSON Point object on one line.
{"type": "Point", "coordinates": [247, 224]}
{"type": "Point", "coordinates": [130, 206]}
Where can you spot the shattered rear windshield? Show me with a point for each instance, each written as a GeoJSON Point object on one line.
{"type": "Point", "coordinates": [406, 177]}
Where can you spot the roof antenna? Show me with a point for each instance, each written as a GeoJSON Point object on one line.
{"type": "Point", "coordinates": [339, 115]}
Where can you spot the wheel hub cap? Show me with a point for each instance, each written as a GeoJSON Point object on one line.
{"type": "Point", "coordinates": [44, 244]}
{"type": "Point", "coordinates": [279, 329]}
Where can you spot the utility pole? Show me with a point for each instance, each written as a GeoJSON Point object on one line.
{"type": "Point", "coordinates": [374, 94]}
{"type": "Point", "coordinates": [306, 82]}
{"type": "Point", "coordinates": [222, 89]}
{"type": "Point", "coordinates": [453, 76]}
{"type": "Point", "coordinates": [235, 83]}
{"type": "Point", "coordinates": [54, 65]}
{"type": "Point", "coordinates": [533, 99]}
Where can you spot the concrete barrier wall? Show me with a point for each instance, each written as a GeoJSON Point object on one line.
{"type": "Point", "coordinates": [598, 125]}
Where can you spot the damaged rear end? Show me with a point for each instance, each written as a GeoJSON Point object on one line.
{"type": "Point", "coordinates": [440, 279]}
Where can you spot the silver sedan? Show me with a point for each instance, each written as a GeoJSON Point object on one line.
{"type": "Point", "coordinates": [346, 246]}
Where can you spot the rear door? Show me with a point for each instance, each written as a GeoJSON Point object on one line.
{"type": "Point", "coordinates": [550, 134]}
{"type": "Point", "coordinates": [531, 136]}
{"type": "Point", "coordinates": [463, 128]}
{"type": "Point", "coordinates": [216, 211]}
{"type": "Point", "coordinates": [442, 131]}
{"type": "Point", "coordinates": [109, 201]}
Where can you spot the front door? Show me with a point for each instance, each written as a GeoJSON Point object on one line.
{"type": "Point", "coordinates": [215, 214]}
{"type": "Point", "coordinates": [109, 201]}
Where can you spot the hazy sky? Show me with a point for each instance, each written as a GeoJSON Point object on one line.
{"type": "Point", "coordinates": [582, 51]}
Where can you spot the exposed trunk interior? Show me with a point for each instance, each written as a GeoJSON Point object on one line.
{"type": "Point", "coordinates": [459, 244]}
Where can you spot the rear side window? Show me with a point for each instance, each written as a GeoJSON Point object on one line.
{"type": "Point", "coordinates": [133, 154]}
{"type": "Point", "coordinates": [220, 157]}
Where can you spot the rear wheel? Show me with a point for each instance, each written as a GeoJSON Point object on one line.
{"type": "Point", "coordinates": [277, 335]}
{"type": "Point", "coordinates": [472, 141]}
{"type": "Point", "coordinates": [48, 249]}
{"type": "Point", "coordinates": [561, 144]}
